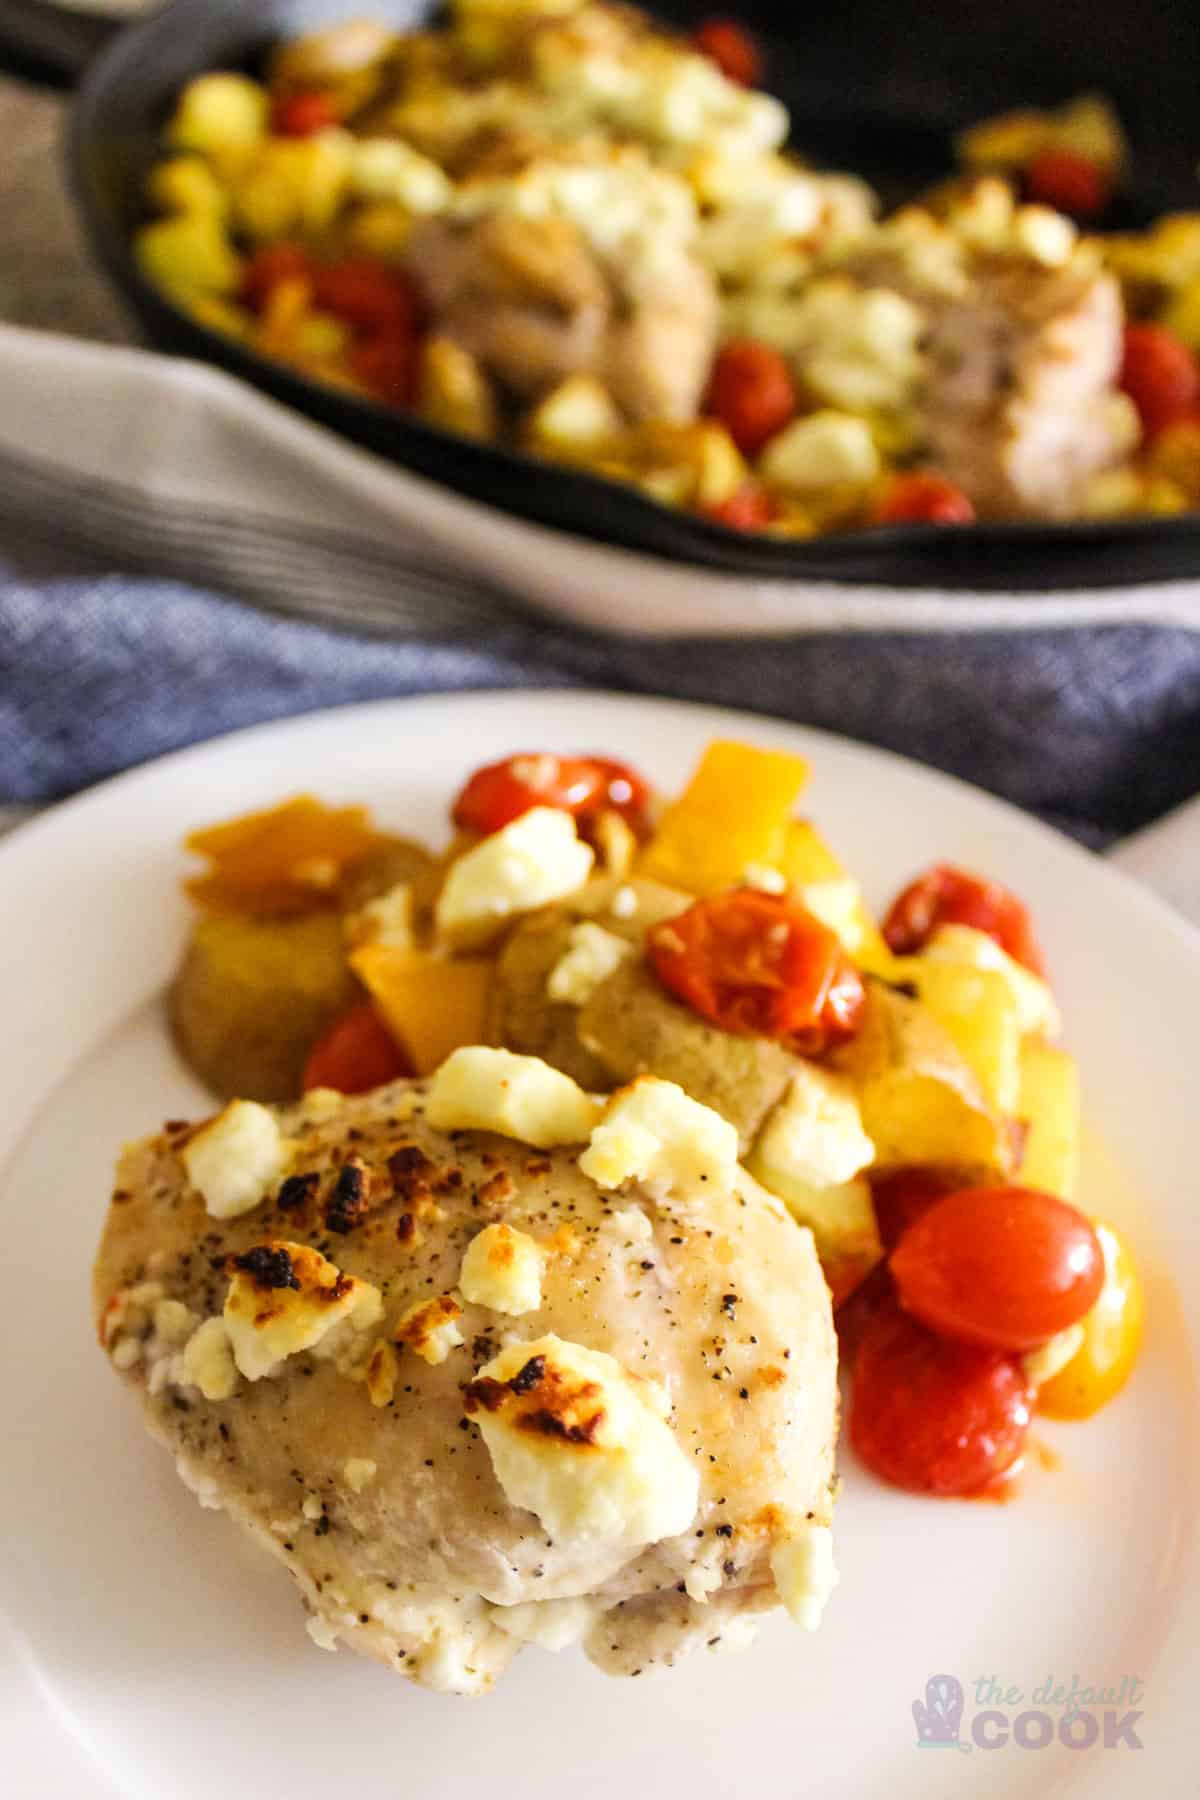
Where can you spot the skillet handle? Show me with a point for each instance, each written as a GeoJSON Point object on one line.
{"type": "Point", "coordinates": [51, 44]}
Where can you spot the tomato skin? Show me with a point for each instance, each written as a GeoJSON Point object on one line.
{"type": "Point", "coordinates": [750, 509]}
{"type": "Point", "coordinates": [1002, 1267]}
{"type": "Point", "coordinates": [1160, 375]}
{"type": "Point", "coordinates": [585, 786]}
{"type": "Point", "coordinates": [1112, 1337]}
{"type": "Point", "coordinates": [925, 499]}
{"type": "Point", "coordinates": [301, 115]}
{"type": "Point", "coordinates": [933, 1416]}
{"type": "Point", "coordinates": [367, 295]}
{"type": "Point", "coordinates": [903, 1196]}
{"type": "Point", "coordinates": [751, 393]}
{"type": "Point", "coordinates": [760, 964]}
{"type": "Point", "coordinates": [1069, 182]}
{"type": "Point", "coordinates": [356, 1053]}
{"type": "Point", "coordinates": [945, 895]}
{"type": "Point", "coordinates": [268, 267]}
{"type": "Point", "coordinates": [732, 48]}
{"type": "Point", "coordinates": [387, 368]}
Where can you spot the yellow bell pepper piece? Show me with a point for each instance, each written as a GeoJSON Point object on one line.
{"type": "Point", "coordinates": [1112, 1336]}
{"type": "Point", "coordinates": [811, 868]}
{"type": "Point", "coordinates": [284, 860]}
{"type": "Point", "coordinates": [432, 1004]}
{"type": "Point", "coordinates": [733, 814]}
{"type": "Point", "coordinates": [977, 1009]}
{"type": "Point", "coordinates": [1048, 1105]}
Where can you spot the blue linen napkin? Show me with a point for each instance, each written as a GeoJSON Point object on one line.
{"type": "Point", "coordinates": [1098, 730]}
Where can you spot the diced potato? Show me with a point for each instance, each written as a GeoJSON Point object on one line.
{"type": "Point", "coordinates": [253, 995]}
{"type": "Point", "coordinates": [920, 1100]}
{"type": "Point", "coordinates": [721, 470]}
{"type": "Point", "coordinates": [186, 184]}
{"type": "Point", "coordinates": [293, 184]}
{"type": "Point", "coordinates": [218, 114]}
{"type": "Point", "coordinates": [523, 1018]}
{"type": "Point", "coordinates": [979, 1010]}
{"type": "Point", "coordinates": [453, 392]}
{"type": "Point", "coordinates": [432, 1004]}
{"type": "Point", "coordinates": [1049, 1107]}
{"type": "Point", "coordinates": [734, 813]}
{"type": "Point", "coordinates": [380, 229]}
{"type": "Point", "coordinates": [827, 449]}
{"type": "Point", "coordinates": [189, 253]}
{"type": "Point", "coordinates": [842, 1221]}
{"type": "Point", "coordinates": [384, 168]}
{"type": "Point", "coordinates": [578, 418]}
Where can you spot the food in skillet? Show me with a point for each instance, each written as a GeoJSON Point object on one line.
{"type": "Point", "coordinates": [553, 225]}
{"type": "Point", "coordinates": [512, 1320]}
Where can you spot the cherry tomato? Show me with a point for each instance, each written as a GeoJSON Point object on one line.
{"type": "Point", "coordinates": [925, 499]}
{"type": "Point", "coordinates": [300, 115]}
{"type": "Point", "coordinates": [268, 267]}
{"type": "Point", "coordinates": [945, 895]}
{"type": "Point", "coordinates": [905, 1195]}
{"type": "Point", "coordinates": [1003, 1267]}
{"type": "Point", "coordinates": [387, 367]}
{"type": "Point", "coordinates": [355, 1053]}
{"type": "Point", "coordinates": [747, 510]}
{"type": "Point", "coordinates": [1160, 375]}
{"type": "Point", "coordinates": [732, 48]}
{"type": "Point", "coordinates": [1072, 183]}
{"type": "Point", "coordinates": [933, 1416]}
{"type": "Point", "coordinates": [751, 393]}
{"type": "Point", "coordinates": [1112, 1337]}
{"type": "Point", "coordinates": [756, 963]}
{"type": "Point", "coordinates": [367, 295]}
{"type": "Point", "coordinates": [583, 785]}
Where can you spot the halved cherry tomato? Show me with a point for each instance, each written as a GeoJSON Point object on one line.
{"type": "Point", "coordinates": [756, 963]}
{"type": "Point", "coordinates": [1112, 1337]}
{"type": "Point", "coordinates": [906, 1195]}
{"type": "Point", "coordinates": [751, 393]}
{"type": "Point", "coordinates": [922, 499]}
{"type": "Point", "coordinates": [1005, 1268]}
{"type": "Point", "coordinates": [367, 295]}
{"type": "Point", "coordinates": [945, 895]}
{"type": "Point", "coordinates": [933, 1416]}
{"type": "Point", "coordinates": [270, 266]}
{"type": "Point", "coordinates": [1072, 183]}
{"type": "Point", "coordinates": [732, 48]}
{"type": "Point", "coordinates": [1160, 375]}
{"type": "Point", "coordinates": [387, 367]}
{"type": "Point", "coordinates": [300, 115]}
{"type": "Point", "coordinates": [582, 785]}
{"type": "Point", "coordinates": [747, 510]}
{"type": "Point", "coordinates": [356, 1053]}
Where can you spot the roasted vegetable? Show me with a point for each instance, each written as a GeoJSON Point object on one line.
{"type": "Point", "coordinates": [732, 816]}
{"type": "Point", "coordinates": [431, 1004]}
{"type": "Point", "coordinates": [522, 1017]}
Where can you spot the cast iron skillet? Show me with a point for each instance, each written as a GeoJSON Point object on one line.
{"type": "Point", "coordinates": [877, 88]}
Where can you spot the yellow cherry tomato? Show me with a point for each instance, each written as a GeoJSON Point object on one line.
{"type": "Point", "coordinates": [1112, 1336]}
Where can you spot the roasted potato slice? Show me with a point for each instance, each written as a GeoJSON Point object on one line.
{"type": "Point", "coordinates": [252, 996]}
{"type": "Point", "coordinates": [522, 1017]}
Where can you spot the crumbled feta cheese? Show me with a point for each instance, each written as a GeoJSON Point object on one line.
{"type": "Point", "coordinates": [826, 449]}
{"type": "Point", "coordinates": [208, 1360]}
{"type": "Point", "coordinates": [538, 858]}
{"type": "Point", "coordinates": [429, 1328]}
{"type": "Point", "coordinates": [386, 920]}
{"type": "Point", "coordinates": [359, 1471]}
{"type": "Point", "coordinates": [1043, 234]}
{"type": "Point", "coordinates": [551, 1624]}
{"type": "Point", "coordinates": [173, 1322]}
{"type": "Point", "coordinates": [1037, 1009]}
{"type": "Point", "coordinates": [591, 956]}
{"type": "Point", "coordinates": [814, 1137]}
{"type": "Point", "coordinates": [479, 1088]}
{"type": "Point", "coordinates": [268, 1324]}
{"type": "Point", "coordinates": [126, 1352]}
{"type": "Point", "coordinates": [234, 1159]}
{"type": "Point", "coordinates": [766, 879]}
{"type": "Point", "coordinates": [1050, 1358]}
{"type": "Point", "coordinates": [858, 349]}
{"type": "Point", "coordinates": [654, 1133]}
{"type": "Point", "coordinates": [386, 168]}
{"type": "Point", "coordinates": [572, 1439]}
{"type": "Point", "coordinates": [624, 903]}
{"type": "Point", "coordinates": [323, 1634]}
{"type": "Point", "coordinates": [838, 904]}
{"type": "Point", "coordinates": [805, 1575]}
{"type": "Point", "coordinates": [502, 1269]}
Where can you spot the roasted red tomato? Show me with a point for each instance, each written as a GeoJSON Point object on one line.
{"type": "Point", "coordinates": [751, 393]}
{"type": "Point", "coordinates": [760, 964]}
{"type": "Point", "coordinates": [747, 510]}
{"type": "Point", "coordinates": [1002, 1267]}
{"type": "Point", "coordinates": [1072, 183]}
{"type": "Point", "coordinates": [300, 115]}
{"type": "Point", "coordinates": [583, 785]}
{"type": "Point", "coordinates": [922, 499]}
{"type": "Point", "coordinates": [387, 367]}
{"type": "Point", "coordinates": [1160, 375]}
{"type": "Point", "coordinates": [268, 267]}
{"type": "Point", "coordinates": [934, 1416]}
{"type": "Point", "coordinates": [367, 295]}
{"type": "Point", "coordinates": [356, 1053]}
{"type": "Point", "coordinates": [905, 1195]}
{"type": "Point", "coordinates": [732, 48]}
{"type": "Point", "coordinates": [948, 896]}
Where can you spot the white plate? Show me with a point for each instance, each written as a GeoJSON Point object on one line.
{"type": "Point", "coordinates": [161, 1655]}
